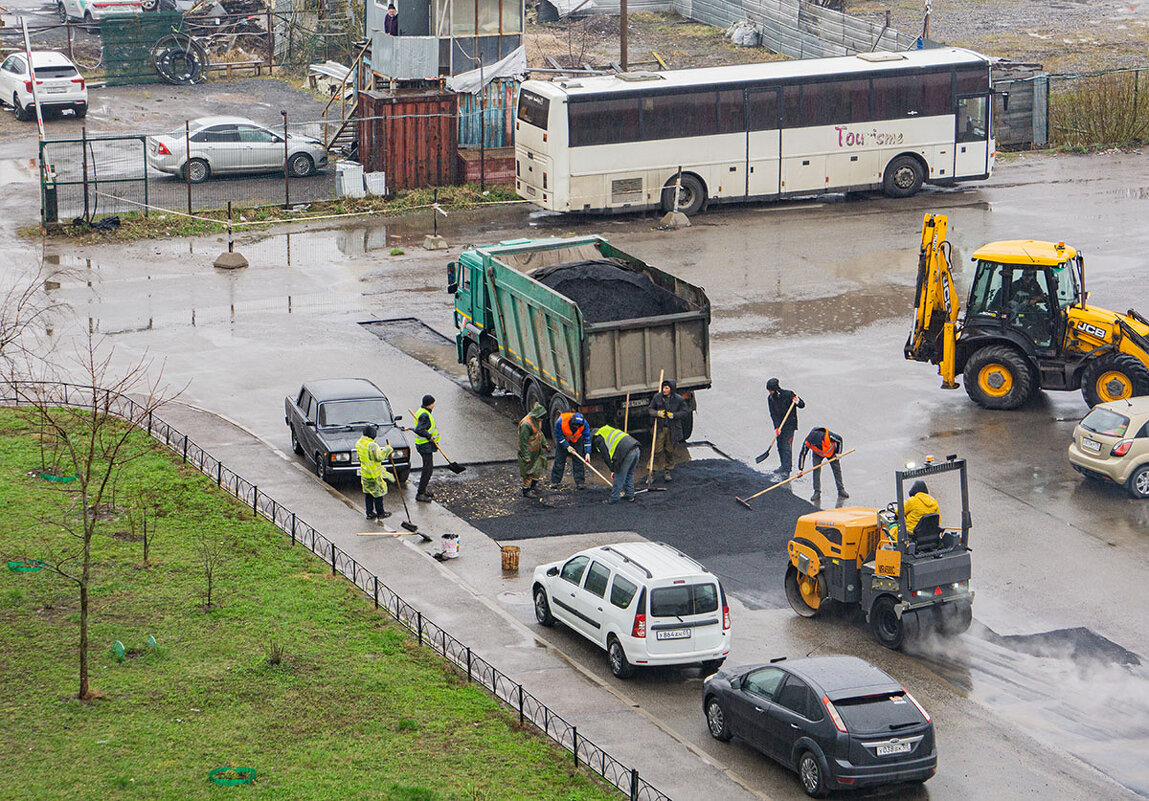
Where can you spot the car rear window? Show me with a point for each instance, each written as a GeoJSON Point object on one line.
{"type": "Point", "coordinates": [684, 599]}
{"type": "Point", "coordinates": [1105, 422]}
{"type": "Point", "coordinates": [873, 714]}
{"type": "Point", "coordinates": [343, 413]}
{"type": "Point", "coordinates": [63, 71]}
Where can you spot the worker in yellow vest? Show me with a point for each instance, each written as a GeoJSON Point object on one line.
{"type": "Point", "coordinates": [373, 477]}
{"type": "Point", "coordinates": [426, 440]}
{"type": "Point", "coordinates": [620, 451]}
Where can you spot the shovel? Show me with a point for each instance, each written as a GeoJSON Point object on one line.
{"type": "Point", "coordinates": [760, 458]}
{"type": "Point", "coordinates": [792, 478]}
{"type": "Point", "coordinates": [578, 456]}
{"type": "Point", "coordinates": [454, 468]}
{"type": "Point", "coordinates": [414, 529]}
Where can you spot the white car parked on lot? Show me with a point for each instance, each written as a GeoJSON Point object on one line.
{"type": "Point", "coordinates": [59, 84]}
{"type": "Point", "coordinates": [232, 144]}
{"type": "Point", "coordinates": [90, 11]}
{"type": "Point", "coordinates": [646, 603]}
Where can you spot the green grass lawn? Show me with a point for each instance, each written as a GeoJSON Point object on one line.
{"type": "Point", "coordinates": [354, 709]}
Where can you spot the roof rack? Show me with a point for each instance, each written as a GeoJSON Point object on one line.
{"type": "Point", "coordinates": [684, 556]}
{"type": "Point", "coordinates": [628, 560]}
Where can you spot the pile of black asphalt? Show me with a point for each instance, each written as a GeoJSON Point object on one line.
{"type": "Point", "coordinates": [697, 514]}
{"type": "Point", "coordinates": [607, 290]}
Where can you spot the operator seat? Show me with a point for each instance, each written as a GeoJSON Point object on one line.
{"type": "Point", "coordinates": [927, 534]}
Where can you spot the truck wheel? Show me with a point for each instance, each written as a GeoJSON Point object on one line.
{"type": "Point", "coordinates": [886, 624]}
{"type": "Point", "coordinates": [807, 595]}
{"type": "Point", "coordinates": [904, 177]}
{"type": "Point", "coordinates": [691, 197]}
{"type": "Point", "coordinates": [534, 395]}
{"type": "Point", "coordinates": [998, 377]}
{"type": "Point", "coordinates": [559, 406]}
{"type": "Point", "coordinates": [476, 373]}
{"type": "Point", "coordinates": [687, 425]}
{"type": "Point", "coordinates": [1115, 376]}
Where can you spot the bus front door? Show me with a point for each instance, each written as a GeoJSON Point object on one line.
{"type": "Point", "coordinates": [763, 143]}
{"type": "Point", "coordinates": [971, 150]}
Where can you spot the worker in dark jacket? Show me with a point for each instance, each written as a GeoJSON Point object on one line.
{"type": "Point", "coordinates": [620, 451]}
{"type": "Point", "coordinates": [824, 444]}
{"type": "Point", "coordinates": [571, 431]}
{"type": "Point", "coordinates": [668, 408]}
{"type": "Point", "coordinates": [426, 440]}
{"type": "Point", "coordinates": [778, 400]}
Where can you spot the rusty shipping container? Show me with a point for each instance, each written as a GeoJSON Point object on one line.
{"type": "Point", "coordinates": [411, 136]}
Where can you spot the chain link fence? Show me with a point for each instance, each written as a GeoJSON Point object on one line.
{"type": "Point", "coordinates": [478, 670]}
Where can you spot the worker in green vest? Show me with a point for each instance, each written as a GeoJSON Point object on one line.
{"type": "Point", "coordinates": [426, 441]}
{"type": "Point", "coordinates": [372, 475]}
{"type": "Point", "coordinates": [620, 451]}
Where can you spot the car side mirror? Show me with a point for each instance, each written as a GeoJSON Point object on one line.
{"type": "Point", "coordinates": [452, 279]}
{"type": "Point", "coordinates": [736, 683]}
{"type": "Point", "coordinates": [554, 571]}
{"type": "Point", "coordinates": [398, 418]}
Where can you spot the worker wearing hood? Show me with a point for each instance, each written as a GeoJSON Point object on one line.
{"type": "Point", "coordinates": [669, 409]}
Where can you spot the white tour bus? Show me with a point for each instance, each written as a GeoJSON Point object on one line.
{"type": "Point", "coordinates": [889, 121]}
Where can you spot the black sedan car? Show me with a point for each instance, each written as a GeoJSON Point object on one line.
{"type": "Point", "coordinates": [838, 721]}
{"type": "Point", "coordinates": [327, 417]}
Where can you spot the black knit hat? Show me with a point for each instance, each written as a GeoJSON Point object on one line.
{"type": "Point", "coordinates": [428, 400]}
{"type": "Point", "coordinates": [370, 430]}
{"type": "Point", "coordinates": [773, 385]}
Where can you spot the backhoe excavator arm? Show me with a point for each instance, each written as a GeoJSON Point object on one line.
{"type": "Point", "coordinates": [936, 305]}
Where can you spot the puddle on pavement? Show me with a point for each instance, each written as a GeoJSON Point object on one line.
{"type": "Point", "coordinates": [1071, 688]}
{"type": "Point", "coordinates": [841, 313]}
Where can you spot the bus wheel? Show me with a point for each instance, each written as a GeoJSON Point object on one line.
{"type": "Point", "coordinates": [904, 177]}
{"type": "Point", "coordinates": [691, 196]}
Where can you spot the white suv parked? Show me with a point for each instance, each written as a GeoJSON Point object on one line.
{"type": "Point", "coordinates": [646, 603]}
{"type": "Point", "coordinates": [59, 84]}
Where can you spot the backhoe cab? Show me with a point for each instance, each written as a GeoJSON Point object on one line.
{"type": "Point", "coordinates": [1026, 326]}
{"type": "Point", "coordinates": [907, 584]}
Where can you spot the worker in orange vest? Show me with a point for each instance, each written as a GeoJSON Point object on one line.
{"type": "Point", "coordinates": [571, 431]}
{"type": "Point", "coordinates": [824, 444]}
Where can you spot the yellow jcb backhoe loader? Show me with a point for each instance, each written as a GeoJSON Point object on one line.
{"type": "Point", "coordinates": [1026, 325]}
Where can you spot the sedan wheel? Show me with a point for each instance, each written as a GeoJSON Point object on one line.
{"type": "Point", "coordinates": [542, 608]}
{"type": "Point", "coordinates": [321, 466]}
{"type": "Point", "coordinates": [619, 666]}
{"type": "Point", "coordinates": [716, 720]}
{"type": "Point", "coordinates": [295, 446]}
{"type": "Point", "coordinates": [810, 772]}
{"type": "Point", "coordinates": [1139, 482]}
{"type": "Point", "coordinates": [300, 165]}
{"type": "Point", "coordinates": [197, 171]}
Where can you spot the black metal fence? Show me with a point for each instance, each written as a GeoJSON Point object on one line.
{"type": "Point", "coordinates": [478, 670]}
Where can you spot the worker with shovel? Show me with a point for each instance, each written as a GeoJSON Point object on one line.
{"type": "Point", "coordinates": [620, 451]}
{"type": "Point", "coordinates": [784, 406]}
{"type": "Point", "coordinates": [670, 408]}
{"type": "Point", "coordinates": [572, 432]}
{"type": "Point", "coordinates": [532, 448]}
{"type": "Point", "coordinates": [372, 475]}
{"type": "Point", "coordinates": [824, 444]}
{"type": "Point", "coordinates": [426, 443]}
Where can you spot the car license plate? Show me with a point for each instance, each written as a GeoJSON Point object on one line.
{"type": "Point", "coordinates": [1091, 445]}
{"type": "Point", "coordinates": [893, 748]}
{"type": "Point", "coordinates": [57, 90]}
{"type": "Point", "coordinates": [673, 634]}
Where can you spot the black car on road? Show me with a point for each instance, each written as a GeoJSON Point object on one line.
{"type": "Point", "coordinates": [327, 417]}
{"type": "Point", "coordinates": [838, 721]}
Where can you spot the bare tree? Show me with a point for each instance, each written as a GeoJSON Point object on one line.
{"type": "Point", "coordinates": [211, 550]}
{"type": "Point", "coordinates": [94, 425]}
{"type": "Point", "coordinates": [24, 302]}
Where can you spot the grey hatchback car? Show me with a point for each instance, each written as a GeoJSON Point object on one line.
{"type": "Point", "coordinates": [327, 417]}
{"type": "Point", "coordinates": [838, 721]}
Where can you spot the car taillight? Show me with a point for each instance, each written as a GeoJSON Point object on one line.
{"type": "Point", "coordinates": [27, 86]}
{"type": "Point", "coordinates": [726, 618]}
{"type": "Point", "coordinates": [921, 708]}
{"type": "Point", "coordinates": [163, 150]}
{"type": "Point", "coordinates": [834, 716]}
{"type": "Point", "coordinates": [78, 80]}
{"type": "Point", "coordinates": [1122, 447]}
{"type": "Point", "coordinates": [639, 628]}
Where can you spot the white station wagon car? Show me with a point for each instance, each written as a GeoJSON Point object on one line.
{"type": "Point", "coordinates": [231, 145]}
{"type": "Point", "coordinates": [646, 603]}
{"type": "Point", "coordinates": [59, 85]}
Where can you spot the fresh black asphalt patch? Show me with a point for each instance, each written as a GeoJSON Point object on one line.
{"type": "Point", "coordinates": [697, 514]}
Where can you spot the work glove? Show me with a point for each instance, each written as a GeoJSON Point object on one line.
{"type": "Point", "coordinates": [670, 415]}
{"type": "Point", "coordinates": [661, 413]}
{"type": "Point", "coordinates": [386, 475]}
{"type": "Point", "coordinates": [777, 432]}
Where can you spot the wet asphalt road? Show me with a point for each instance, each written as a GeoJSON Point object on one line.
{"type": "Point", "coordinates": [818, 293]}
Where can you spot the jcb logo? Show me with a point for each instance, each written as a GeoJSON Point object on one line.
{"type": "Point", "coordinates": [1092, 330]}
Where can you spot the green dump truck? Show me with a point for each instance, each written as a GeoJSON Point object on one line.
{"type": "Point", "coordinates": [576, 324]}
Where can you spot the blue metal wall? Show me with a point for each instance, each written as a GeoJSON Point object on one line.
{"type": "Point", "coordinates": [499, 97]}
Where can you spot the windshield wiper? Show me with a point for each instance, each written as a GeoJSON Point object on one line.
{"type": "Point", "coordinates": [896, 726]}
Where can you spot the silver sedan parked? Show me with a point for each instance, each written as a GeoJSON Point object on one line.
{"type": "Point", "coordinates": [222, 145]}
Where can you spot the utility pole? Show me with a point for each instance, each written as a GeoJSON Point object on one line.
{"type": "Point", "coordinates": [622, 25]}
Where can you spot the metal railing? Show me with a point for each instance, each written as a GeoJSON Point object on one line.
{"type": "Point", "coordinates": [478, 670]}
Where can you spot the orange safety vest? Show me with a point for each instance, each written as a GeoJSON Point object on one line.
{"type": "Point", "coordinates": [571, 436]}
{"type": "Point", "coordinates": [826, 449]}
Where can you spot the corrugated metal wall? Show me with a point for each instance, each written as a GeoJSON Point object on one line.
{"type": "Point", "coordinates": [499, 97]}
{"type": "Point", "coordinates": [409, 136]}
{"type": "Point", "coordinates": [1026, 122]}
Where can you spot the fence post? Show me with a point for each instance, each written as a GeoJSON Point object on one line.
{"type": "Point", "coordinates": [286, 173]}
{"type": "Point", "coordinates": [187, 155]}
{"type": "Point", "coordinates": [255, 502]}
{"type": "Point", "coordinates": [270, 43]}
{"type": "Point", "coordinates": [333, 558]}
{"type": "Point", "coordinates": [574, 743]}
{"type": "Point", "coordinates": [84, 156]}
{"type": "Point", "coordinates": [521, 706]}
{"type": "Point", "coordinates": [634, 784]}
{"type": "Point", "coordinates": [293, 543]}
{"type": "Point", "coordinates": [185, 448]}
{"type": "Point", "coordinates": [468, 664]}
{"type": "Point", "coordinates": [144, 150]}
{"type": "Point", "coordinates": [419, 615]}
{"type": "Point", "coordinates": [149, 416]}
{"type": "Point", "coordinates": [546, 720]}
{"type": "Point", "coordinates": [219, 474]}
{"type": "Point", "coordinates": [375, 591]}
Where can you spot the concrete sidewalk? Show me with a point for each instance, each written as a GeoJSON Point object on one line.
{"type": "Point", "coordinates": [601, 710]}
